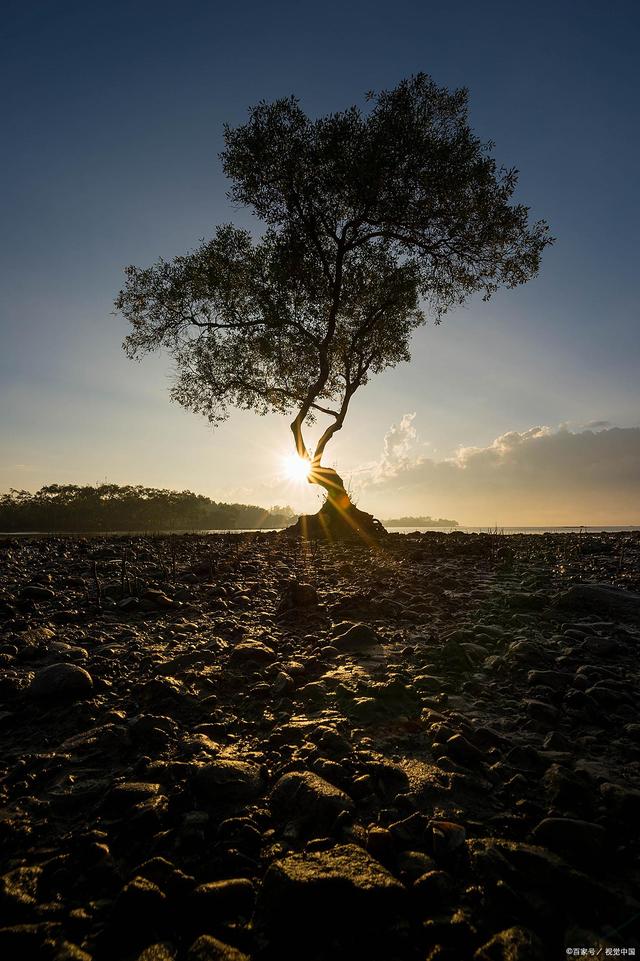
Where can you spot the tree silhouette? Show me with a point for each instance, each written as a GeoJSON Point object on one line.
{"type": "Point", "coordinates": [374, 219]}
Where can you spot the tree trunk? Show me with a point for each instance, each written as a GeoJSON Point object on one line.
{"type": "Point", "coordinates": [338, 519]}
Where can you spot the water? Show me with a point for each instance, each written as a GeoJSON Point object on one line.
{"type": "Point", "coordinates": [392, 530]}
{"type": "Point", "coordinates": [515, 530]}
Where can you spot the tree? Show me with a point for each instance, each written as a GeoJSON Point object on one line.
{"type": "Point", "coordinates": [374, 218]}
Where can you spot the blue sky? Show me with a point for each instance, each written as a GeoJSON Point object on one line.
{"type": "Point", "coordinates": [112, 122]}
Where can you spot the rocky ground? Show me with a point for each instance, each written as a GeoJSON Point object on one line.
{"type": "Point", "coordinates": [232, 747]}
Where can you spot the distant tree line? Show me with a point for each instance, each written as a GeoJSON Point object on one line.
{"type": "Point", "coordinates": [110, 507]}
{"type": "Point", "coordinates": [420, 522]}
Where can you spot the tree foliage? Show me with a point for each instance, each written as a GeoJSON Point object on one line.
{"type": "Point", "coordinates": [374, 218]}
{"type": "Point", "coordinates": [110, 507]}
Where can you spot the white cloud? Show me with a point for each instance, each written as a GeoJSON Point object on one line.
{"type": "Point", "coordinates": [541, 475]}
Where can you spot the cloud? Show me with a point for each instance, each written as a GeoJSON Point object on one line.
{"type": "Point", "coordinates": [398, 443]}
{"type": "Point", "coordinates": [537, 476]}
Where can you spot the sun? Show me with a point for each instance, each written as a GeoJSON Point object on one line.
{"type": "Point", "coordinates": [297, 468]}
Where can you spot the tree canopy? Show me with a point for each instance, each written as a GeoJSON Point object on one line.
{"type": "Point", "coordinates": [110, 507]}
{"type": "Point", "coordinates": [375, 218]}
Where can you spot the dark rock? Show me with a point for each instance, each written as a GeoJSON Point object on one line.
{"type": "Point", "coordinates": [162, 951]}
{"type": "Point", "coordinates": [347, 636]}
{"type": "Point", "coordinates": [61, 682]}
{"type": "Point", "coordinates": [35, 592]}
{"type": "Point", "coordinates": [308, 798]}
{"type": "Point", "coordinates": [225, 780]}
{"type": "Point", "coordinates": [350, 885]}
{"type": "Point", "coordinates": [222, 901]}
{"type": "Point", "coordinates": [297, 596]}
{"type": "Point", "coordinates": [579, 841]}
{"type": "Point", "coordinates": [463, 751]}
{"type": "Point", "coordinates": [141, 907]}
{"type": "Point", "coordinates": [252, 652]}
{"type": "Point", "coordinates": [600, 598]}
{"type": "Point", "coordinates": [207, 948]}
{"type": "Point", "coordinates": [513, 944]}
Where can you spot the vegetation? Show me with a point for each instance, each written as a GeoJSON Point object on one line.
{"type": "Point", "coordinates": [420, 522]}
{"type": "Point", "coordinates": [374, 219]}
{"type": "Point", "coordinates": [108, 507]}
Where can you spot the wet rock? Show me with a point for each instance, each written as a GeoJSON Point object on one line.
{"type": "Point", "coordinates": [141, 908]}
{"type": "Point", "coordinates": [308, 798]}
{"type": "Point", "coordinates": [462, 750]}
{"type": "Point", "coordinates": [61, 682]}
{"type": "Point", "coordinates": [350, 885]}
{"type": "Point", "coordinates": [579, 841]}
{"type": "Point", "coordinates": [600, 598]}
{"type": "Point", "coordinates": [223, 780]}
{"type": "Point", "coordinates": [347, 636]}
{"type": "Point", "coordinates": [36, 592]}
{"type": "Point", "coordinates": [223, 901]}
{"type": "Point", "coordinates": [208, 948]}
{"type": "Point", "coordinates": [161, 951]}
{"type": "Point", "coordinates": [512, 944]}
{"type": "Point", "coordinates": [125, 795]}
{"type": "Point", "coordinates": [252, 652]}
{"type": "Point", "coordinates": [297, 596]}
{"type": "Point", "coordinates": [19, 891]}
{"type": "Point", "coordinates": [433, 890]}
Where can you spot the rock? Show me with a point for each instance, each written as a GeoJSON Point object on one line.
{"type": "Point", "coordinates": [308, 798]}
{"type": "Point", "coordinates": [252, 652]}
{"type": "Point", "coordinates": [141, 905]}
{"type": "Point", "coordinates": [223, 901]}
{"type": "Point", "coordinates": [158, 598]}
{"type": "Point", "coordinates": [601, 599]}
{"type": "Point", "coordinates": [513, 944]}
{"type": "Point", "coordinates": [162, 951]}
{"type": "Point", "coordinates": [463, 751]}
{"type": "Point", "coordinates": [433, 890]}
{"type": "Point", "coordinates": [25, 941]}
{"type": "Point", "coordinates": [19, 891]}
{"type": "Point", "coordinates": [347, 636]}
{"type": "Point", "coordinates": [297, 596]}
{"type": "Point", "coordinates": [61, 682]}
{"type": "Point", "coordinates": [446, 837]}
{"type": "Point", "coordinates": [579, 841]}
{"type": "Point", "coordinates": [352, 888]}
{"type": "Point", "coordinates": [125, 795]}
{"type": "Point", "coordinates": [223, 780]}
{"type": "Point", "coordinates": [35, 592]}
{"type": "Point", "coordinates": [207, 948]}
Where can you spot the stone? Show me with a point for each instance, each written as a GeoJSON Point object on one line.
{"type": "Point", "coordinates": [208, 948]}
{"type": "Point", "coordinates": [162, 951]}
{"type": "Point", "coordinates": [307, 797]}
{"type": "Point", "coordinates": [35, 592]}
{"type": "Point", "coordinates": [125, 795]}
{"type": "Point", "coordinates": [579, 841]}
{"type": "Point", "coordinates": [142, 905]}
{"type": "Point", "coordinates": [512, 944]}
{"type": "Point", "coordinates": [223, 901]}
{"type": "Point", "coordinates": [463, 751]}
{"type": "Point", "coordinates": [226, 780]}
{"type": "Point", "coordinates": [61, 682]}
{"type": "Point", "coordinates": [351, 887]}
{"type": "Point", "coordinates": [297, 596]}
{"type": "Point", "coordinates": [347, 636]}
{"type": "Point", "coordinates": [600, 599]}
{"type": "Point", "coordinates": [252, 652]}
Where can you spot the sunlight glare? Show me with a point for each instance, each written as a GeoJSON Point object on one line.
{"type": "Point", "coordinates": [297, 468]}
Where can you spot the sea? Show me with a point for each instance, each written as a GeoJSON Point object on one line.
{"type": "Point", "coordinates": [495, 529]}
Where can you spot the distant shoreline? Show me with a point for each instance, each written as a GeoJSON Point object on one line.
{"type": "Point", "coordinates": [419, 522]}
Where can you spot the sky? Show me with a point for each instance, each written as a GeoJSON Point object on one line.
{"type": "Point", "coordinates": [522, 410]}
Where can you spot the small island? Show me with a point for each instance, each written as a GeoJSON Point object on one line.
{"type": "Point", "coordinates": [420, 522]}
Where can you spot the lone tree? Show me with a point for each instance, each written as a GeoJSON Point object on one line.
{"type": "Point", "coordinates": [373, 218]}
